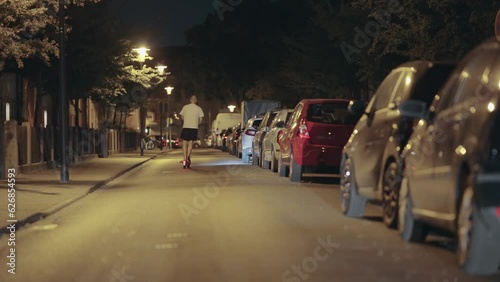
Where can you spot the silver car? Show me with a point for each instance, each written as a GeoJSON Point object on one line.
{"type": "Point", "coordinates": [270, 146]}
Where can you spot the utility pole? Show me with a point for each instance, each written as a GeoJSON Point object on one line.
{"type": "Point", "coordinates": [64, 178]}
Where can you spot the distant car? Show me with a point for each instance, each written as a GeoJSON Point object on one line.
{"type": "Point", "coordinates": [225, 142]}
{"type": "Point", "coordinates": [270, 146]}
{"type": "Point", "coordinates": [259, 136]}
{"type": "Point", "coordinates": [314, 137]}
{"type": "Point", "coordinates": [246, 138]}
{"type": "Point", "coordinates": [451, 172]}
{"type": "Point", "coordinates": [372, 155]}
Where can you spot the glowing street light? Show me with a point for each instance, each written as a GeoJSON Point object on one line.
{"type": "Point", "coordinates": [161, 70]}
{"type": "Point", "coordinates": [169, 90]}
{"type": "Point", "coordinates": [231, 108]}
{"type": "Point", "coordinates": [143, 53]}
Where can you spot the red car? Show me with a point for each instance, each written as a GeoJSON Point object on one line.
{"type": "Point", "coordinates": [314, 137]}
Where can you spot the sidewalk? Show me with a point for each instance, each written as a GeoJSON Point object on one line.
{"type": "Point", "coordinates": [40, 194]}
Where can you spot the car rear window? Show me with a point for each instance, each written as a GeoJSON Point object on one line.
{"type": "Point", "coordinates": [431, 82]}
{"type": "Point", "coordinates": [330, 113]}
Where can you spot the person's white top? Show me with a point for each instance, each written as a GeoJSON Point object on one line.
{"type": "Point", "coordinates": [191, 114]}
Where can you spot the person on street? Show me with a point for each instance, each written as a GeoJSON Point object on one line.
{"type": "Point", "coordinates": [192, 115]}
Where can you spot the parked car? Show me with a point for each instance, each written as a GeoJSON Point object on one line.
{"type": "Point", "coordinates": [270, 146]}
{"type": "Point", "coordinates": [236, 135]}
{"type": "Point", "coordinates": [227, 133]}
{"type": "Point", "coordinates": [314, 137]}
{"type": "Point", "coordinates": [246, 138]}
{"type": "Point", "coordinates": [372, 155]}
{"type": "Point", "coordinates": [219, 138]}
{"type": "Point", "coordinates": [452, 168]}
{"type": "Point", "coordinates": [259, 136]}
{"type": "Point", "coordinates": [160, 141]}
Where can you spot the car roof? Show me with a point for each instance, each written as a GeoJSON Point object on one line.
{"type": "Point", "coordinates": [324, 100]}
{"type": "Point", "coordinates": [424, 64]}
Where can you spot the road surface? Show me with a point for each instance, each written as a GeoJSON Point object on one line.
{"type": "Point", "coordinates": [221, 221]}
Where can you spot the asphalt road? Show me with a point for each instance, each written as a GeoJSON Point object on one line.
{"type": "Point", "coordinates": [221, 221]}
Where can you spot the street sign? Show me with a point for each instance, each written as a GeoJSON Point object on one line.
{"type": "Point", "coordinates": [497, 24]}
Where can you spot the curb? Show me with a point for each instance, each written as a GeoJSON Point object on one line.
{"type": "Point", "coordinates": [41, 215]}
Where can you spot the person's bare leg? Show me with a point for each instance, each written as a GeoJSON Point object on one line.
{"type": "Point", "coordinates": [185, 149]}
{"type": "Point", "coordinates": [190, 148]}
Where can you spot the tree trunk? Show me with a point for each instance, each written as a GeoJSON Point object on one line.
{"type": "Point", "coordinates": [77, 112]}
{"type": "Point", "coordinates": [114, 117]}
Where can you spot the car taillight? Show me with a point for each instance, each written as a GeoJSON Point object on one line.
{"type": "Point", "coordinates": [250, 132]}
{"type": "Point", "coordinates": [280, 133]}
{"type": "Point", "coordinates": [498, 212]}
{"type": "Point", "coordinates": [303, 132]}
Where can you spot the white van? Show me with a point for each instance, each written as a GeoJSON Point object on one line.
{"type": "Point", "coordinates": [222, 122]}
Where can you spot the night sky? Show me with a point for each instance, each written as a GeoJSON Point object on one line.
{"type": "Point", "coordinates": [162, 23]}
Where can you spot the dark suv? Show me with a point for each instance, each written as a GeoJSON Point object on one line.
{"type": "Point", "coordinates": [372, 155]}
{"type": "Point", "coordinates": [451, 177]}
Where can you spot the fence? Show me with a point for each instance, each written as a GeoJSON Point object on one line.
{"type": "Point", "coordinates": [42, 145]}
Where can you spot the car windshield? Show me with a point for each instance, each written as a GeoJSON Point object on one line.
{"type": "Point", "coordinates": [330, 113]}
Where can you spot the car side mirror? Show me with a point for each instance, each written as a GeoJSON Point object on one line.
{"type": "Point", "coordinates": [413, 109]}
{"type": "Point", "coordinates": [280, 124]}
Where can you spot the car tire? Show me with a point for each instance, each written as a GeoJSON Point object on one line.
{"type": "Point", "coordinates": [274, 161]}
{"type": "Point", "coordinates": [295, 170]}
{"type": "Point", "coordinates": [390, 193]}
{"type": "Point", "coordinates": [478, 252]}
{"type": "Point", "coordinates": [264, 164]}
{"type": "Point", "coordinates": [351, 203]}
{"type": "Point", "coordinates": [410, 229]}
{"type": "Point", "coordinates": [255, 159]}
{"type": "Point", "coordinates": [282, 168]}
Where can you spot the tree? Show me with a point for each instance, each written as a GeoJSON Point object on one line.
{"type": "Point", "coordinates": [27, 28]}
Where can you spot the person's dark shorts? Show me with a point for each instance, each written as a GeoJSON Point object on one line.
{"type": "Point", "coordinates": [189, 134]}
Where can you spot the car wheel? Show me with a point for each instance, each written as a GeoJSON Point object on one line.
{"type": "Point", "coordinates": [295, 170]}
{"type": "Point", "coordinates": [410, 229]}
{"type": "Point", "coordinates": [264, 163]}
{"type": "Point", "coordinates": [282, 168]}
{"type": "Point", "coordinates": [390, 191]}
{"type": "Point", "coordinates": [255, 159]}
{"type": "Point", "coordinates": [245, 159]}
{"type": "Point", "coordinates": [352, 204]}
{"type": "Point", "coordinates": [274, 161]}
{"type": "Point", "coordinates": [477, 251]}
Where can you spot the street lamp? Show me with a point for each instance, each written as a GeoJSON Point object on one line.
{"type": "Point", "coordinates": [161, 69]}
{"type": "Point", "coordinates": [143, 55]}
{"type": "Point", "coordinates": [169, 92]}
{"type": "Point", "coordinates": [63, 99]}
{"type": "Point", "coordinates": [231, 108]}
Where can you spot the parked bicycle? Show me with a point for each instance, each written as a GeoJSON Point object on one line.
{"type": "Point", "coordinates": [148, 143]}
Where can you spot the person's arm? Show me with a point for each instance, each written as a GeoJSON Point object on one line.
{"type": "Point", "coordinates": [200, 118]}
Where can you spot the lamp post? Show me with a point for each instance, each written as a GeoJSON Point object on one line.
{"type": "Point", "coordinates": [143, 55]}
{"type": "Point", "coordinates": [64, 177]}
{"type": "Point", "coordinates": [169, 92]}
{"type": "Point", "coordinates": [161, 71]}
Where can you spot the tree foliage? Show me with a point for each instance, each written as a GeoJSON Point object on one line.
{"type": "Point", "coordinates": [27, 29]}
